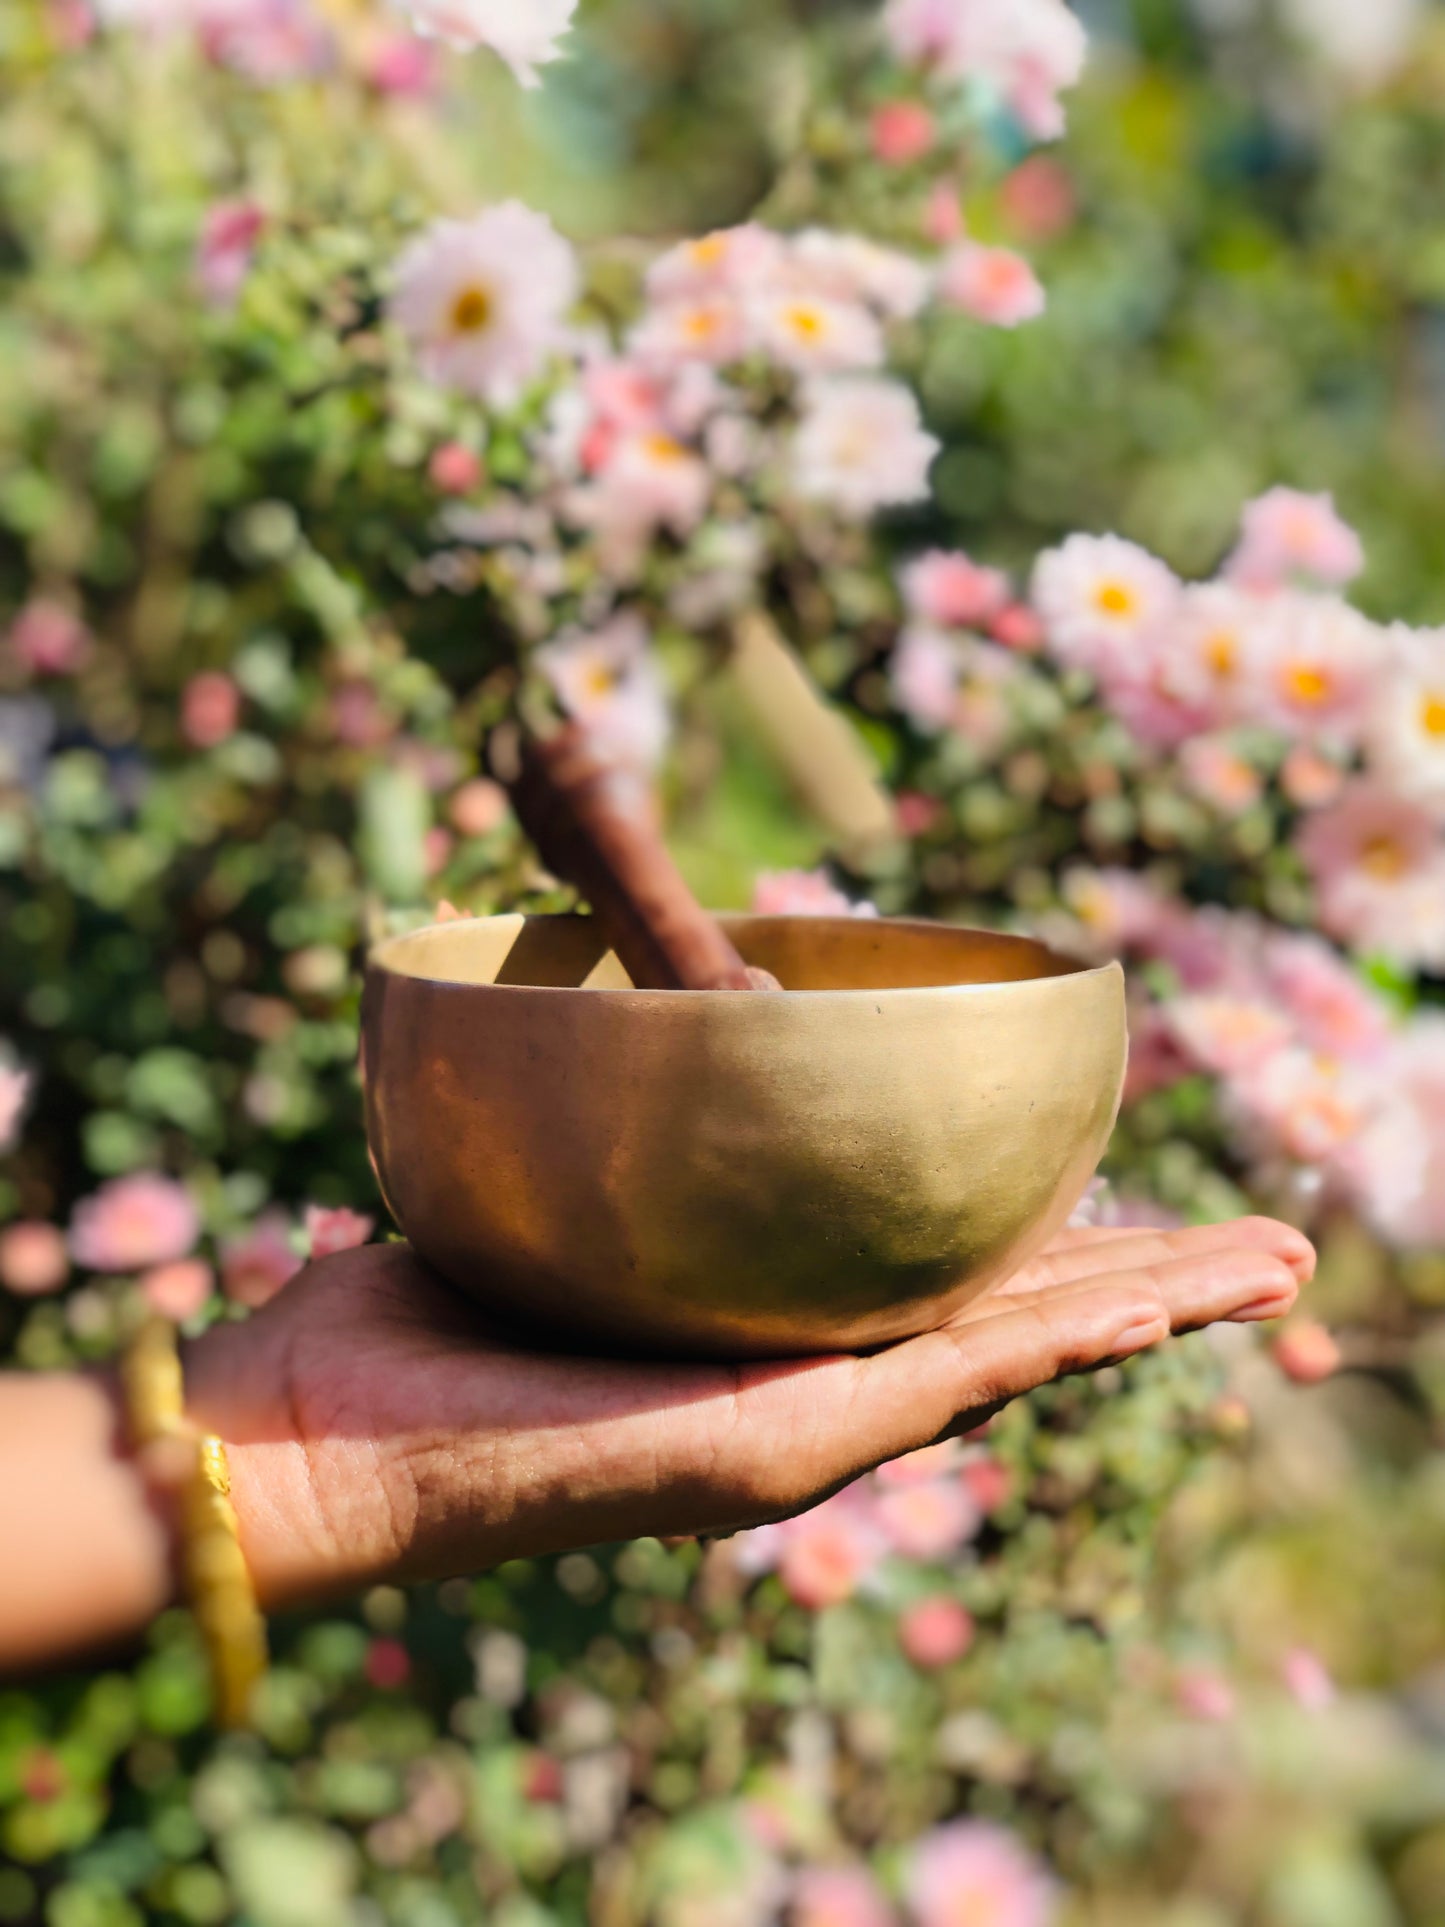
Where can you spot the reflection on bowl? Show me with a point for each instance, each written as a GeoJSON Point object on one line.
{"type": "Point", "coordinates": [735, 1174]}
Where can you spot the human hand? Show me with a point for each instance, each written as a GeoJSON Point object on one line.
{"type": "Point", "coordinates": [380, 1428]}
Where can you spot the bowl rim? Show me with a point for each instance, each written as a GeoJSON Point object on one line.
{"type": "Point", "coordinates": [378, 963]}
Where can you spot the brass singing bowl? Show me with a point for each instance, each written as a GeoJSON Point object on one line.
{"type": "Point", "coordinates": [735, 1174]}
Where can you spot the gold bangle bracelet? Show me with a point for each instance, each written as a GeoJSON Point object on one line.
{"type": "Point", "coordinates": [217, 1584]}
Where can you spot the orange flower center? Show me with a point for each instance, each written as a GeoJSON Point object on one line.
{"type": "Point", "coordinates": [709, 251]}
{"type": "Point", "coordinates": [1116, 599]}
{"type": "Point", "coordinates": [1384, 857]}
{"type": "Point", "coordinates": [662, 448]}
{"type": "Point", "coordinates": [600, 681]}
{"type": "Point", "coordinates": [1432, 713]}
{"type": "Point", "coordinates": [471, 311]}
{"type": "Point", "coordinates": [1221, 653]}
{"type": "Point", "coordinates": [806, 323]}
{"type": "Point", "coordinates": [1308, 683]}
{"type": "Point", "coordinates": [701, 325]}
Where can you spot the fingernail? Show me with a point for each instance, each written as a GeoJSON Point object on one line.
{"type": "Point", "coordinates": [1139, 1334]}
{"type": "Point", "coordinates": [1273, 1307]}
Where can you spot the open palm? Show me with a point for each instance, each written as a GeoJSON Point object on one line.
{"type": "Point", "coordinates": [382, 1428]}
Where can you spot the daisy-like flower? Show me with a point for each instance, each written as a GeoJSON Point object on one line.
{"type": "Point", "coordinates": [1310, 1105]}
{"type": "Point", "coordinates": [607, 680]}
{"type": "Point", "coordinates": [924, 674]}
{"type": "Point", "coordinates": [814, 334]}
{"type": "Point", "coordinates": [1212, 644]}
{"type": "Point", "coordinates": [1103, 601]}
{"type": "Point", "coordinates": [1314, 668]}
{"type": "Point", "coordinates": [1285, 536]}
{"type": "Point", "coordinates": [1331, 1008]}
{"type": "Point", "coordinates": [991, 284]}
{"type": "Point", "coordinates": [1218, 775]}
{"type": "Point", "coordinates": [482, 300]}
{"type": "Point", "coordinates": [1228, 1035]}
{"type": "Point", "coordinates": [706, 325]}
{"type": "Point", "coordinates": [526, 36]}
{"type": "Point", "coordinates": [1396, 1167]}
{"type": "Point", "coordinates": [838, 1897]}
{"type": "Point", "coordinates": [973, 1870]}
{"type": "Point", "coordinates": [1405, 734]}
{"type": "Point", "coordinates": [860, 445]}
{"type": "Point", "coordinates": [849, 267]}
{"type": "Point", "coordinates": [1378, 865]}
{"type": "Point", "coordinates": [732, 260]}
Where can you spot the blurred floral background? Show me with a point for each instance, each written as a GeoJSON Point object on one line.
{"type": "Point", "coordinates": [362, 396]}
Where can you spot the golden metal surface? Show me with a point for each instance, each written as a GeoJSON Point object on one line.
{"type": "Point", "coordinates": [732, 1173]}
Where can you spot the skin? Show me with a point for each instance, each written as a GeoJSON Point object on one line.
{"type": "Point", "coordinates": [379, 1429]}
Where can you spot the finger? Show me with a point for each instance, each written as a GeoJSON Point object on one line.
{"type": "Point", "coordinates": [1105, 1250]}
{"type": "Point", "coordinates": [1244, 1284]}
{"type": "Point", "coordinates": [919, 1390]}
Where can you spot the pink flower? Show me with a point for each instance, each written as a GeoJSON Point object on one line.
{"type": "Point", "coordinates": [478, 807]}
{"type": "Point", "coordinates": [970, 1872]}
{"type": "Point", "coordinates": [1018, 628]}
{"type": "Point", "coordinates": [1310, 780]}
{"type": "Point", "coordinates": [927, 1521]}
{"type": "Point", "coordinates": [482, 301]}
{"type": "Point", "coordinates": [33, 1259]}
{"type": "Point", "coordinates": [1286, 535]}
{"type": "Point", "coordinates": [803, 893]}
{"type": "Point", "coordinates": [860, 445]}
{"type": "Point", "coordinates": [1307, 1680]}
{"type": "Point", "coordinates": [1027, 51]}
{"type": "Point", "coordinates": [210, 709]}
{"type": "Point", "coordinates": [525, 37]}
{"type": "Point", "coordinates": [357, 717]}
{"type": "Point", "coordinates": [1228, 1035]}
{"type": "Point", "coordinates": [1332, 1009]}
{"type": "Point", "coordinates": [1205, 1694]}
{"type": "Point", "coordinates": [1038, 197]}
{"type": "Point", "coordinates": [48, 639]}
{"type": "Point", "coordinates": [815, 334]}
{"type": "Point", "coordinates": [133, 1223]}
{"type": "Point", "coordinates": [256, 1265]}
{"type": "Point", "coordinates": [1104, 603]}
{"type": "Point", "coordinates": [1406, 735]}
{"type": "Point", "coordinates": [838, 1897]}
{"type": "Point", "coordinates": [849, 267]}
{"type": "Point", "coordinates": [1219, 775]}
{"type": "Point", "coordinates": [915, 813]}
{"type": "Point", "coordinates": [825, 1554]}
{"type": "Point", "coordinates": [729, 260]}
{"type": "Point", "coordinates": [989, 1481]}
{"type": "Point", "coordinates": [919, 1468]}
{"type": "Point", "coordinates": [1119, 909]}
{"type": "Point", "coordinates": [271, 42]}
{"type": "Point", "coordinates": [1306, 1352]}
{"type": "Point", "coordinates": [178, 1291]}
{"type": "Point", "coordinates": [949, 589]}
{"type": "Point", "coordinates": [608, 681]}
{"type": "Point", "coordinates": [14, 1095]}
{"type": "Point", "coordinates": [1310, 1105]}
{"type": "Point", "coordinates": [901, 131]}
{"type": "Point", "coordinates": [334, 1230]}
{"type": "Point", "coordinates": [935, 1632]}
{"type": "Point", "coordinates": [924, 673]}
{"type": "Point", "coordinates": [227, 243]}
{"type": "Point", "coordinates": [454, 469]}
{"type": "Point", "coordinates": [1395, 1169]}
{"type": "Point", "coordinates": [943, 214]}
{"type": "Point", "coordinates": [1314, 668]}
{"type": "Point", "coordinates": [1213, 642]}
{"type": "Point", "coordinates": [991, 284]}
{"type": "Point", "coordinates": [1378, 866]}
{"type": "Point", "coordinates": [400, 65]}
{"type": "Point", "coordinates": [1157, 1060]}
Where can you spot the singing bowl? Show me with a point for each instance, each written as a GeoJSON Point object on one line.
{"type": "Point", "coordinates": [735, 1174]}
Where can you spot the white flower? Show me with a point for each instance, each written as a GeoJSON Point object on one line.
{"type": "Point", "coordinates": [1364, 44]}
{"type": "Point", "coordinates": [607, 681]}
{"type": "Point", "coordinates": [732, 260]}
{"type": "Point", "coordinates": [1406, 729]}
{"type": "Point", "coordinates": [848, 267]}
{"type": "Point", "coordinates": [1103, 601]}
{"type": "Point", "coordinates": [482, 300]}
{"type": "Point", "coordinates": [861, 445]}
{"type": "Point", "coordinates": [524, 33]}
{"type": "Point", "coordinates": [812, 334]}
{"type": "Point", "coordinates": [698, 327]}
{"type": "Point", "coordinates": [1313, 667]}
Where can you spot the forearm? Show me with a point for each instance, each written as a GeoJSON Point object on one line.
{"type": "Point", "coordinates": [85, 1548]}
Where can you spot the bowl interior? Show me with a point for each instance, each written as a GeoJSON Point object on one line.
{"type": "Point", "coordinates": [803, 953]}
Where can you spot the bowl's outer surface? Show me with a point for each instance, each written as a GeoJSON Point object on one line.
{"type": "Point", "coordinates": [736, 1174]}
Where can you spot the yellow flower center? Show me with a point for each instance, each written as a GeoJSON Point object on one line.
{"type": "Point", "coordinates": [471, 311]}
{"type": "Point", "coordinates": [709, 251]}
{"type": "Point", "coordinates": [701, 325]}
{"type": "Point", "coordinates": [1116, 599]}
{"type": "Point", "coordinates": [1432, 713]}
{"type": "Point", "coordinates": [1308, 683]}
{"type": "Point", "coordinates": [1221, 653]}
{"type": "Point", "coordinates": [806, 323]}
{"type": "Point", "coordinates": [1384, 857]}
{"type": "Point", "coordinates": [662, 448]}
{"type": "Point", "coordinates": [599, 681]}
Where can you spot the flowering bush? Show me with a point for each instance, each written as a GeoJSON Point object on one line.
{"type": "Point", "coordinates": [322, 470]}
